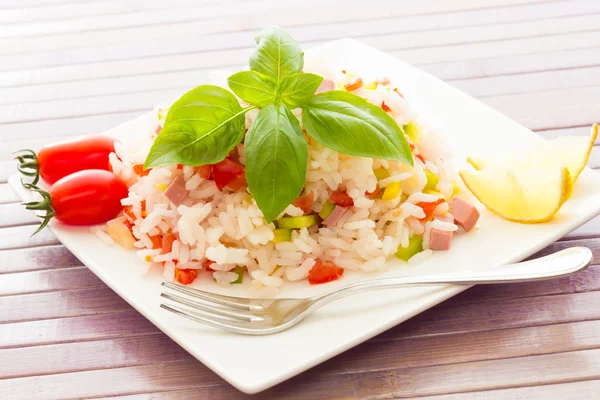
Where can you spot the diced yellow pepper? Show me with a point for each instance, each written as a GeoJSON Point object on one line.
{"type": "Point", "coordinates": [391, 191]}
{"type": "Point", "coordinates": [371, 86]}
{"type": "Point", "coordinates": [161, 186]}
{"type": "Point", "coordinates": [413, 131]}
{"type": "Point", "coordinates": [432, 180]}
{"type": "Point", "coordinates": [455, 188]}
{"type": "Point", "coordinates": [282, 235]}
{"type": "Point", "coordinates": [381, 173]}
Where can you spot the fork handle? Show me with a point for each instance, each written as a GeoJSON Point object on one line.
{"type": "Point", "coordinates": [561, 263]}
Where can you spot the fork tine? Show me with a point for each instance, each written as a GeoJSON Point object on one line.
{"type": "Point", "coordinates": [196, 305]}
{"type": "Point", "coordinates": [237, 327]}
{"type": "Point", "coordinates": [214, 298]}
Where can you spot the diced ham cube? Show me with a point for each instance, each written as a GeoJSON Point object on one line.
{"type": "Point", "coordinates": [176, 191]}
{"type": "Point", "coordinates": [325, 86]}
{"type": "Point", "coordinates": [335, 215]}
{"type": "Point", "coordinates": [465, 214]}
{"type": "Point", "coordinates": [440, 239]}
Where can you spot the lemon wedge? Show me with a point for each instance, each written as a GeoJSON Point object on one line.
{"type": "Point", "coordinates": [572, 152]}
{"type": "Point", "coordinates": [527, 195]}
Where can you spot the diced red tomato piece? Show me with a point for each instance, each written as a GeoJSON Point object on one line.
{"type": "Point", "coordinates": [167, 243]}
{"type": "Point", "coordinates": [158, 129]}
{"type": "Point", "coordinates": [205, 171]}
{"type": "Point", "coordinates": [179, 166]}
{"type": "Point", "coordinates": [384, 107]}
{"type": "Point", "coordinates": [341, 199]}
{"type": "Point", "coordinates": [226, 171]}
{"type": "Point", "coordinates": [238, 182]}
{"type": "Point", "coordinates": [323, 272]}
{"type": "Point", "coordinates": [129, 225]}
{"type": "Point", "coordinates": [420, 157]}
{"type": "Point", "coordinates": [156, 242]}
{"type": "Point", "coordinates": [234, 155]}
{"type": "Point", "coordinates": [207, 263]}
{"type": "Point", "coordinates": [354, 84]}
{"type": "Point", "coordinates": [429, 207]}
{"type": "Point", "coordinates": [139, 170]}
{"type": "Point", "coordinates": [185, 276]}
{"type": "Point", "coordinates": [412, 146]}
{"type": "Point", "coordinates": [374, 193]}
{"type": "Point", "coordinates": [305, 202]}
{"type": "Point", "coordinates": [129, 212]}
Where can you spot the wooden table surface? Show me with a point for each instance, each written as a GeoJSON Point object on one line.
{"type": "Point", "coordinates": [74, 67]}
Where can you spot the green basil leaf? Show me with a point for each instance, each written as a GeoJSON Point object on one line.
{"type": "Point", "coordinates": [253, 87]}
{"type": "Point", "coordinates": [349, 124]}
{"type": "Point", "coordinates": [202, 127]}
{"type": "Point", "coordinates": [298, 89]}
{"type": "Point", "coordinates": [278, 55]}
{"type": "Point", "coordinates": [276, 159]}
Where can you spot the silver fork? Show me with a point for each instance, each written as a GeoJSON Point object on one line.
{"type": "Point", "coordinates": [265, 317]}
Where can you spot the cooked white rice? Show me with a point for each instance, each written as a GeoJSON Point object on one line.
{"type": "Point", "coordinates": [227, 227]}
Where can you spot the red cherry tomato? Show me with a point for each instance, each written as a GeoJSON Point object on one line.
{"type": "Point", "coordinates": [88, 197]}
{"type": "Point", "coordinates": [61, 159]}
{"type": "Point", "coordinates": [305, 202]}
{"type": "Point", "coordinates": [428, 208]}
{"type": "Point", "coordinates": [341, 199]}
{"type": "Point", "coordinates": [185, 276]}
{"type": "Point", "coordinates": [323, 272]}
{"type": "Point", "coordinates": [226, 171]}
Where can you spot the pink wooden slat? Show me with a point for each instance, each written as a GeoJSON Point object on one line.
{"type": "Point", "coordinates": [82, 356]}
{"type": "Point", "coordinates": [7, 195]}
{"type": "Point", "coordinates": [216, 25]}
{"type": "Point", "coordinates": [231, 57]}
{"type": "Point", "coordinates": [20, 236]}
{"type": "Point", "coordinates": [36, 258]}
{"type": "Point", "coordinates": [15, 214]}
{"type": "Point", "coordinates": [571, 390]}
{"type": "Point", "coordinates": [529, 82]}
{"type": "Point", "coordinates": [402, 382]}
{"type": "Point", "coordinates": [30, 307]}
{"type": "Point", "coordinates": [413, 31]}
{"type": "Point", "coordinates": [74, 329]}
{"type": "Point", "coordinates": [48, 281]}
{"type": "Point", "coordinates": [574, 57]}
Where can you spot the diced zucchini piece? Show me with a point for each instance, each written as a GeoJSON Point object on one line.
{"type": "Point", "coordinates": [282, 235]}
{"type": "Point", "coordinates": [391, 191]}
{"type": "Point", "coordinates": [240, 271]}
{"type": "Point", "coordinates": [415, 245]}
{"type": "Point", "coordinates": [381, 173]}
{"type": "Point", "coordinates": [304, 221]}
{"type": "Point", "coordinates": [413, 131]}
{"type": "Point", "coordinates": [432, 180]}
{"type": "Point", "coordinates": [326, 210]}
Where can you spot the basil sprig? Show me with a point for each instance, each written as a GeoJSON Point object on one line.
{"type": "Point", "coordinates": [206, 123]}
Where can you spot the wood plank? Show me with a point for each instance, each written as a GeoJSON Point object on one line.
{"type": "Point", "coordinates": [582, 390]}
{"type": "Point", "coordinates": [193, 13]}
{"type": "Point", "coordinates": [20, 236]}
{"type": "Point", "coordinates": [502, 314]}
{"type": "Point", "coordinates": [573, 57]}
{"type": "Point", "coordinates": [52, 305]}
{"type": "Point", "coordinates": [589, 229]}
{"type": "Point", "coordinates": [127, 380]}
{"type": "Point", "coordinates": [74, 329]}
{"type": "Point", "coordinates": [444, 379]}
{"type": "Point", "coordinates": [75, 278]}
{"type": "Point", "coordinates": [529, 82]}
{"type": "Point", "coordinates": [413, 31]}
{"type": "Point", "coordinates": [403, 382]}
{"type": "Point", "coordinates": [36, 258]}
{"type": "Point", "coordinates": [15, 214]}
{"type": "Point", "coordinates": [236, 57]}
{"type": "Point", "coordinates": [7, 195]}
{"type": "Point", "coordinates": [82, 356]}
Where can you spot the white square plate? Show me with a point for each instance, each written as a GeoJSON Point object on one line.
{"type": "Point", "coordinates": [252, 364]}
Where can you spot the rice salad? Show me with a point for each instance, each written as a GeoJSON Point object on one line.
{"type": "Point", "coordinates": [354, 213]}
